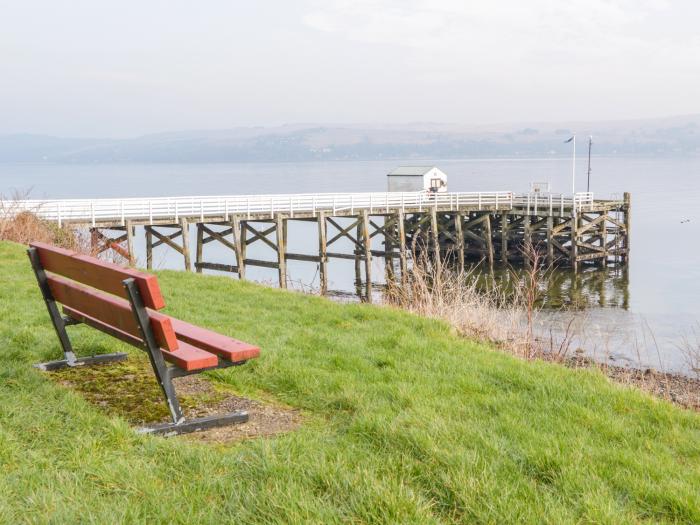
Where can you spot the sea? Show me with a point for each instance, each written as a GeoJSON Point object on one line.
{"type": "Point", "coordinates": [647, 315]}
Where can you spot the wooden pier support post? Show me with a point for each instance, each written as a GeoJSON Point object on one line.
{"type": "Point", "coordinates": [460, 240]}
{"type": "Point", "coordinates": [489, 240]}
{"type": "Point", "coordinates": [401, 225]}
{"type": "Point", "coordinates": [388, 248]}
{"type": "Point", "coordinates": [323, 252]}
{"type": "Point", "coordinates": [358, 259]}
{"type": "Point", "coordinates": [504, 237]}
{"type": "Point", "coordinates": [184, 225]}
{"type": "Point", "coordinates": [574, 241]}
{"type": "Point", "coordinates": [200, 247]}
{"type": "Point", "coordinates": [550, 236]}
{"type": "Point", "coordinates": [367, 244]}
{"type": "Point", "coordinates": [434, 234]}
{"type": "Point", "coordinates": [130, 230]}
{"type": "Point", "coordinates": [280, 226]}
{"type": "Point", "coordinates": [239, 244]}
{"type": "Point", "coordinates": [627, 208]}
{"type": "Point", "coordinates": [149, 248]}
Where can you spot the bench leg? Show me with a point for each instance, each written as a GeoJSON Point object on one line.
{"type": "Point", "coordinates": [160, 369]}
{"type": "Point", "coordinates": [195, 425]}
{"type": "Point", "coordinates": [59, 323]}
{"type": "Point", "coordinates": [164, 375]}
{"type": "Point", "coordinates": [81, 361]}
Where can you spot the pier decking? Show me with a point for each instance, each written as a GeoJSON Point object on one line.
{"type": "Point", "coordinates": [491, 226]}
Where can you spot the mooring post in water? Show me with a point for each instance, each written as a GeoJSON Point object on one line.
{"type": "Point", "coordinates": [323, 252]}
{"type": "Point", "coordinates": [185, 227]}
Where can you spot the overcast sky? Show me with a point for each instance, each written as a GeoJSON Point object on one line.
{"type": "Point", "coordinates": [124, 68]}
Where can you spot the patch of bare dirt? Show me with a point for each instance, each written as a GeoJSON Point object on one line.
{"type": "Point", "coordinates": [265, 419]}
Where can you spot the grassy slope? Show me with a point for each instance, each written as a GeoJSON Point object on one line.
{"type": "Point", "coordinates": [406, 423]}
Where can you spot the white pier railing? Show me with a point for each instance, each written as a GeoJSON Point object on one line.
{"type": "Point", "coordinates": [148, 210]}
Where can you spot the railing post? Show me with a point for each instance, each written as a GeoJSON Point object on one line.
{"type": "Point", "coordinates": [122, 211]}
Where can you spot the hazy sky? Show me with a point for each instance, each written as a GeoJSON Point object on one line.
{"type": "Point", "coordinates": [120, 68]}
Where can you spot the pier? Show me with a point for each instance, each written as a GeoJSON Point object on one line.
{"type": "Point", "coordinates": [571, 230]}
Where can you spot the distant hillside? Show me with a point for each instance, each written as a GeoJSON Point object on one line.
{"type": "Point", "coordinates": [302, 142]}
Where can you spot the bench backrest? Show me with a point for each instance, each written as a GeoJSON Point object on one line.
{"type": "Point", "coordinates": [75, 281]}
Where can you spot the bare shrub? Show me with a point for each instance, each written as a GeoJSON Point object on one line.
{"type": "Point", "coordinates": [441, 292]}
{"type": "Point", "coordinates": [689, 347]}
{"type": "Point", "coordinates": [21, 226]}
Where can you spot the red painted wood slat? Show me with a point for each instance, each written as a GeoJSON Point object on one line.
{"type": "Point", "coordinates": [110, 310]}
{"type": "Point", "coordinates": [99, 274]}
{"type": "Point", "coordinates": [187, 357]}
{"type": "Point", "coordinates": [221, 345]}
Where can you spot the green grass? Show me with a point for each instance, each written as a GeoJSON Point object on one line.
{"type": "Point", "coordinates": [404, 423]}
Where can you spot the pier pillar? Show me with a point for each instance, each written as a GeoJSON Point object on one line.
{"type": "Point", "coordinates": [200, 247]}
{"type": "Point", "coordinates": [434, 234]}
{"type": "Point", "coordinates": [281, 225]}
{"type": "Point", "coordinates": [550, 236]}
{"type": "Point", "coordinates": [323, 252]}
{"type": "Point", "coordinates": [628, 224]}
{"type": "Point", "coordinates": [389, 230]}
{"type": "Point", "coordinates": [460, 240]}
{"type": "Point", "coordinates": [239, 244]}
{"type": "Point", "coordinates": [489, 240]}
{"type": "Point", "coordinates": [401, 228]}
{"type": "Point", "coordinates": [184, 225]}
{"type": "Point", "coordinates": [574, 241]}
{"type": "Point", "coordinates": [504, 237]}
{"type": "Point", "coordinates": [130, 231]}
{"type": "Point", "coordinates": [367, 244]}
{"type": "Point", "coordinates": [149, 248]}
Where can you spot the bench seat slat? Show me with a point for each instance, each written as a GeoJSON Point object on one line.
{"type": "Point", "coordinates": [187, 356]}
{"type": "Point", "coordinates": [110, 310]}
{"type": "Point", "coordinates": [221, 345]}
{"type": "Point", "coordinates": [99, 274]}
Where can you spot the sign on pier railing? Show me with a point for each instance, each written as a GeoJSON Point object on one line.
{"type": "Point", "coordinates": [95, 211]}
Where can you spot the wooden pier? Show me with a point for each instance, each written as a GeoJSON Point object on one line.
{"type": "Point", "coordinates": [490, 226]}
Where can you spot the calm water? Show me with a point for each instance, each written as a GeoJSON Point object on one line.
{"type": "Point", "coordinates": [637, 314]}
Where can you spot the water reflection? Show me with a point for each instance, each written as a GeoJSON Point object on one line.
{"type": "Point", "coordinates": [562, 288]}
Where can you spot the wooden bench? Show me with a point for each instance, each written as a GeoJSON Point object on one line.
{"type": "Point", "coordinates": [124, 303]}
